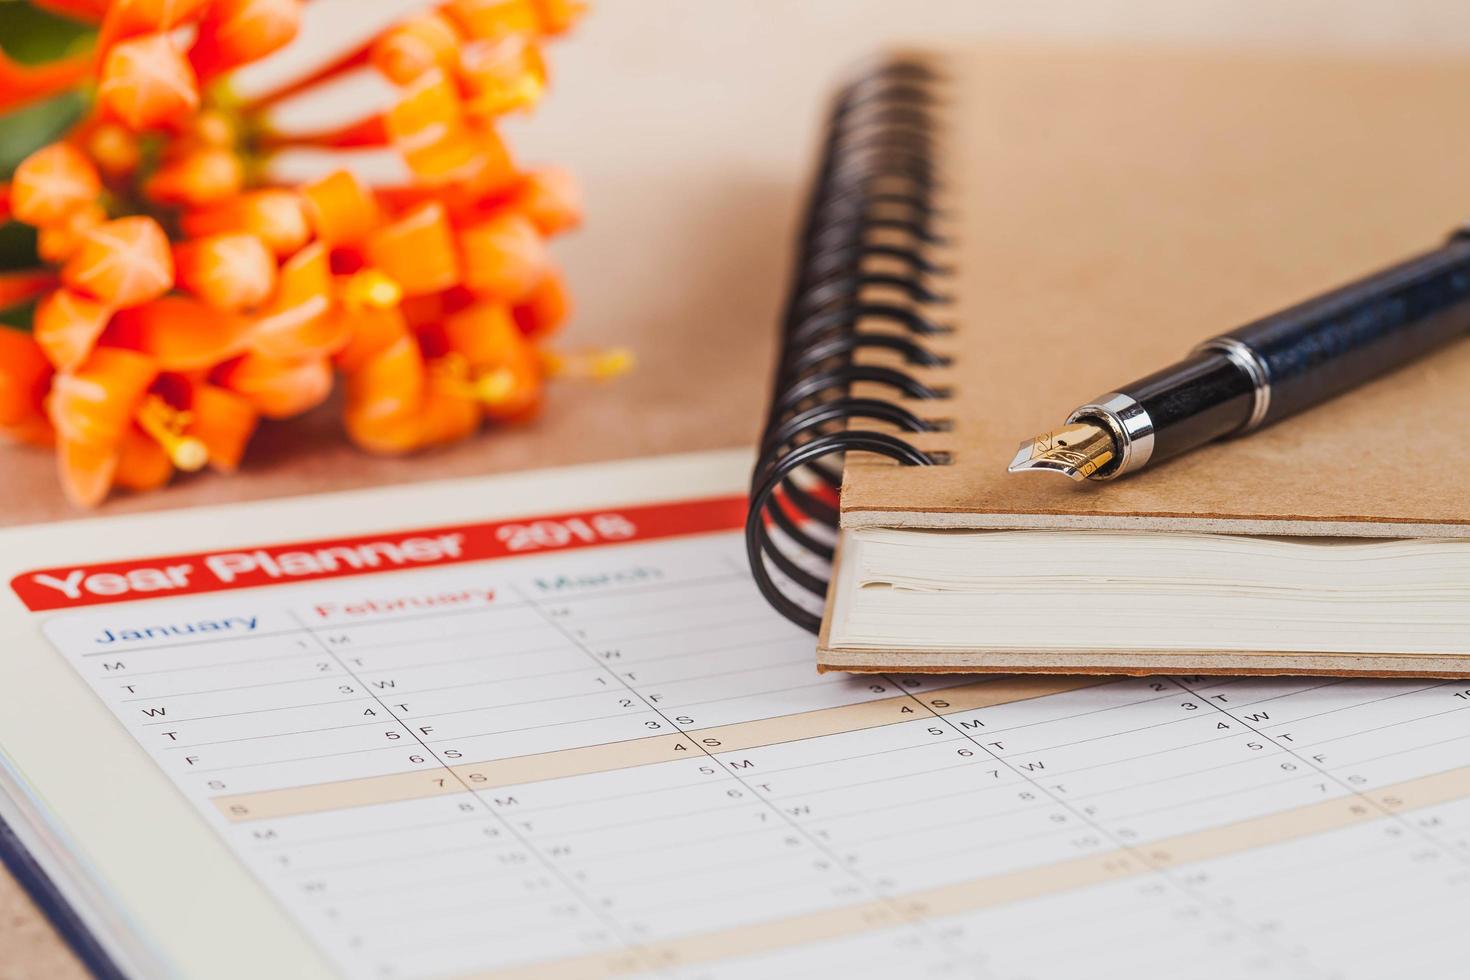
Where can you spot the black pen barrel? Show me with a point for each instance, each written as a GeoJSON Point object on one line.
{"type": "Point", "coordinates": [1327, 345]}
{"type": "Point", "coordinates": [1306, 354]}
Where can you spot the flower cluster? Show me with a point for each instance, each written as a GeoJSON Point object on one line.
{"type": "Point", "coordinates": [181, 294]}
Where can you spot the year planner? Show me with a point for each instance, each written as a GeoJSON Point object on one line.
{"type": "Point", "coordinates": [544, 726]}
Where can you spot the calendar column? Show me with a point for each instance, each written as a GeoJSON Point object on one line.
{"type": "Point", "coordinates": [431, 678]}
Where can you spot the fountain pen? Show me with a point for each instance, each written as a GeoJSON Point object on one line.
{"type": "Point", "coordinates": [1266, 370]}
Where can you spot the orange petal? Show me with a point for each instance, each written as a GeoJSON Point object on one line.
{"type": "Point", "coordinates": [494, 18]}
{"type": "Point", "coordinates": [298, 322]}
{"type": "Point", "coordinates": [387, 385]}
{"type": "Point", "coordinates": [444, 418]}
{"type": "Point", "coordinates": [86, 470]}
{"type": "Point", "coordinates": [180, 333]}
{"type": "Point", "coordinates": [142, 464]}
{"type": "Point", "coordinates": [60, 241]}
{"type": "Point", "coordinates": [123, 262]}
{"type": "Point", "coordinates": [483, 334]}
{"type": "Point", "coordinates": [128, 18]}
{"type": "Point", "coordinates": [370, 331]}
{"type": "Point", "coordinates": [341, 208]}
{"type": "Point", "coordinates": [237, 31]}
{"type": "Point", "coordinates": [428, 127]}
{"type": "Point", "coordinates": [502, 75]}
{"type": "Point", "coordinates": [557, 16]}
{"type": "Point", "coordinates": [276, 217]}
{"type": "Point", "coordinates": [504, 257]}
{"type": "Point", "coordinates": [417, 251]}
{"type": "Point", "coordinates": [507, 372]}
{"type": "Point", "coordinates": [512, 391]}
{"type": "Point", "coordinates": [94, 404]}
{"type": "Point", "coordinates": [545, 309]}
{"type": "Point", "coordinates": [229, 272]}
{"type": "Point", "coordinates": [25, 374]}
{"type": "Point", "coordinates": [51, 184]}
{"type": "Point", "coordinates": [147, 82]}
{"type": "Point", "coordinates": [425, 41]}
{"type": "Point", "coordinates": [223, 421]}
{"type": "Point", "coordinates": [67, 326]}
{"type": "Point", "coordinates": [278, 388]}
{"type": "Point", "coordinates": [202, 176]}
{"type": "Point", "coordinates": [114, 148]}
{"type": "Point", "coordinates": [551, 198]}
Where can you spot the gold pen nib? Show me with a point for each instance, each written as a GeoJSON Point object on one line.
{"type": "Point", "coordinates": [1077, 450]}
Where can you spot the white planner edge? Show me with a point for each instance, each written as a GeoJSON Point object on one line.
{"type": "Point", "coordinates": [196, 911]}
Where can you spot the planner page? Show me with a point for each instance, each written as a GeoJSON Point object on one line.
{"type": "Point", "coordinates": [576, 743]}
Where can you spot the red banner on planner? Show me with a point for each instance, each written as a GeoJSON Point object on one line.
{"type": "Point", "coordinates": [244, 568]}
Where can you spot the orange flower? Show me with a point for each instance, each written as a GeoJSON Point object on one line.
{"type": "Point", "coordinates": [180, 333]}
{"type": "Point", "coordinates": [558, 16]}
{"type": "Point", "coordinates": [428, 40]}
{"type": "Point", "coordinates": [223, 421]}
{"type": "Point", "coordinates": [341, 209]}
{"type": "Point", "coordinates": [417, 250]}
{"type": "Point", "coordinates": [504, 257]}
{"type": "Point", "coordinates": [431, 299]}
{"type": "Point", "coordinates": [25, 375]}
{"type": "Point", "coordinates": [237, 31]}
{"type": "Point", "coordinates": [67, 325]}
{"type": "Point", "coordinates": [275, 217]}
{"type": "Point", "coordinates": [127, 18]}
{"type": "Point", "coordinates": [543, 311]}
{"type": "Point", "coordinates": [60, 240]}
{"type": "Point", "coordinates": [370, 330]}
{"type": "Point", "coordinates": [502, 75]}
{"type": "Point", "coordinates": [86, 470]}
{"type": "Point", "coordinates": [53, 183]}
{"type": "Point", "coordinates": [297, 323]}
{"type": "Point", "coordinates": [491, 362]}
{"type": "Point", "coordinates": [229, 272]}
{"type": "Point", "coordinates": [122, 262]}
{"type": "Point", "coordinates": [141, 463]}
{"type": "Point", "coordinates": [146, 82]}
{"type": "Point", "coordinates": [278, 388]}
{"type": "Point", "coordinates": [551, 198]}
{"type": "Point", "coordinates": [437, 142]}
{"type": "Point", "coordinates": [114, 149]}
{"type": "Point", "coordinates": [94, 403]}
{"type": "Point", "coordinates": [391, 383]}
{"type": "Point", "coordinates": [494, 18]}
{"type": "Point", "coordinates": [198, 177]}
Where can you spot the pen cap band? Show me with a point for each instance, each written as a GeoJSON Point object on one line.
{"type": "Point", "coordinates": [1243, 356]}
{"type": "Point", "coordinates": [1132, 429]}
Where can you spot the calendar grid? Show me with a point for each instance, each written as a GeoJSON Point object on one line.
{"type": "Point", "coordinates": [555, 797]}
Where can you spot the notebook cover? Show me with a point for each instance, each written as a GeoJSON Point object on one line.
{"type": "Point", "coordinates": [1112, 207]}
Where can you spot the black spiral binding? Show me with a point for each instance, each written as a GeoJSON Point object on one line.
{"type": "Point", "coordinates": [877, 180]}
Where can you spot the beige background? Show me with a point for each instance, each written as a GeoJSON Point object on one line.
{"type": "Point", "coordinates": [691, 122]}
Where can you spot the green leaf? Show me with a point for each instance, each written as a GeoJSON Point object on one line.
{"type": "Point", "coordinates": [18, 247]}
{"type": "Point", "coordinates": [26, 130]}
{"type": "Point", "coordinates": [21, 315]}
{"type": "Point", "coordinates": [34, 36]}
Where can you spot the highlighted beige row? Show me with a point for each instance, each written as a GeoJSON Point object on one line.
{"type": "Point", "coordinates": [1005, 889]}
{"type": "Point", "coordinates": [612, 756]}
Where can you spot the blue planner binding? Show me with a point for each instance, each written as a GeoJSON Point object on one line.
{"type": "Point", "coordinates": [43, 891]}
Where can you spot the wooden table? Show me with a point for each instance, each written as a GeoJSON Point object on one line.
{"type": "Point", "coordinates": [691, 125]}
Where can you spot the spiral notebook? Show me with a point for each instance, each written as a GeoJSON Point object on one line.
{"type": "Point", "coordinates": [999, 233]}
